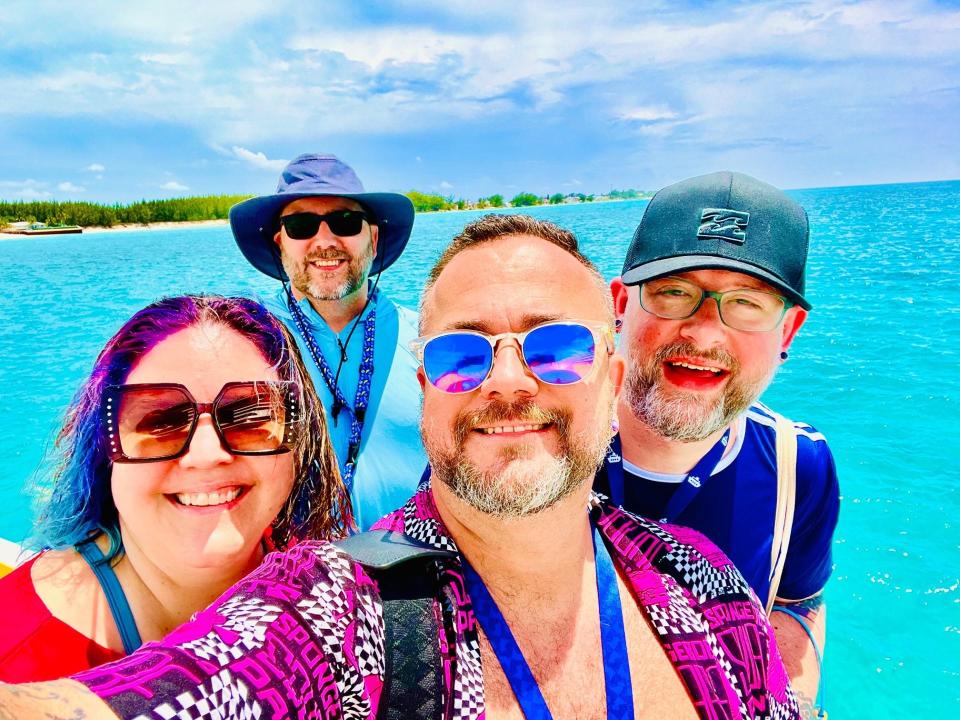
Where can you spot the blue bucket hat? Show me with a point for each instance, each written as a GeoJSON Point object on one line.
{"type": "Point", "coordinates": [726, 221]}
{"type": "Point", "coordinates": [254, 221]}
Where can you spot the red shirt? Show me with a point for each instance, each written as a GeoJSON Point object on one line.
{"type": "Point", "coordinates": [34, 645]}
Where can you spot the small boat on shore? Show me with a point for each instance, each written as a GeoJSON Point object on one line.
{"type": "Point", "coordinates": [41, 229]}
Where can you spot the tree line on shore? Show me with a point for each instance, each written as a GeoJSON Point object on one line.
{"type": "Point", "coordinates": [216, 207]}
{"type": "Point", "coordinates": [426, 202]}
{"type": "Point", "coordinates": [87, 214]}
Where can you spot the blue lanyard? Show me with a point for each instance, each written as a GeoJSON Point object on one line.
{"type": "Point", "coordinates": [362, 400]}
{"type": "Point", "coordinates": [425, 478]}
{"type": "Point", "coordinates": [616, 666]}
{"type": "Point", "coordinates": [683, 495]}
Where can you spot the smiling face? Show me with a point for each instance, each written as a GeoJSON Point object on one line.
{"type": "Point", "coordinates": [327, 266]}
{"type": "Point", "coordinates": [205, 511]}
{"type": "Point", "coordinates": [514, 445]}
{"type": "Point", "coordinates": [688, 379]}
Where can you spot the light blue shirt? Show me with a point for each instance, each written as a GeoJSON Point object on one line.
{"type": "Point", "coordinates": [391, 457]}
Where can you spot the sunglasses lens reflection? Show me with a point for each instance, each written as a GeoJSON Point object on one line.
{"type": "Point", "coordinates": [251, 418]}
{"type": "Point", "coordinates": [154, 422]}
{"type": "Point", "coordinates": [457, 362]}
{"type": "Point", "coordinates": [157, 422]}
{"type": "Point", "coordinates": [559, 354]}
{"type": "Point", "coordinates": [345, 224]}
{"type": "Point", "coordinates": [556, 353]}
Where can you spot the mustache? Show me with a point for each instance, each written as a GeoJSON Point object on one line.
{"type": "Point", "coordinates": [328, 254]}
{"type": "Point", "coordinates": [688, 349]}
{"type": "Point", "coordinates": [525, 411]}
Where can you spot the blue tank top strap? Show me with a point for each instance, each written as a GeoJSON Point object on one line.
{"type": "Point", "coordinates": [116, 599]}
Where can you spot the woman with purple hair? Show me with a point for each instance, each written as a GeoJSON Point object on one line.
{"type": "Point", "coordinates": [196, 444]}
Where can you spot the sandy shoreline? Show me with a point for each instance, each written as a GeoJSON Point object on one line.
{"type": "Point", "coordinates": [213, 223]}
{"type": "Point", "coordinates": [126, 228]}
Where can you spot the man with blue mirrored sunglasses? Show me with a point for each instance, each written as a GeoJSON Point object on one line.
{"type": "Point", "coordinates": [541, 600]}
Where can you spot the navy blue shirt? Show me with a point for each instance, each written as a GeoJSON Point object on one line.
{"type": "Point", "coordinates": [735, 507]}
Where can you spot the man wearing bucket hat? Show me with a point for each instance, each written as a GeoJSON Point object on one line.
{"type": "Point", "coordinates": [323, 236]}
{"type": "Point", "coordinates": [710, 298]}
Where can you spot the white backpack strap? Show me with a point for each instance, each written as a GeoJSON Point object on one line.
{"type": "Point", "coordinates": [786, 497]}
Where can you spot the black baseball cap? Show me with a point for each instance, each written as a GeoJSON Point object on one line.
{"type": "Point", "coordinates": [725, 221]}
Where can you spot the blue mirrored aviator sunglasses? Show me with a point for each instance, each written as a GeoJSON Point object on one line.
{"type": "Point", "coordinates": [557, 353]}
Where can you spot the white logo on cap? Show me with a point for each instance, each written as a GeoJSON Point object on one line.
{"type": "Point", "coordinates": [723, 224]}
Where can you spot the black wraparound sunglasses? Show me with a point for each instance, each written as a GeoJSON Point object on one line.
{"type": "Point", "coordinates": [304, 225]}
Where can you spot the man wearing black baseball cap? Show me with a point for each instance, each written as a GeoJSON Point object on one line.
{"type": "Point", "coordinates": [323, 236]}
{"type": "Point", "coordinates": [710, 299]}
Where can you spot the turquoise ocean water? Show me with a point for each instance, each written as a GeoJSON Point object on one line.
{"type": "Point", "coordinates": [875, 368]}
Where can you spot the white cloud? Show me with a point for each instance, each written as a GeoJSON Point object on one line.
{"type": "Point", "coordinates": [69, 187]}
{"type": "Point", "coordinates": [648, 114]}
{"type": "Point", "coordinates": [71, 80]}
{"type": "Point", "coordinates": [694, 73]}
{"type": "Point", "coordinates": [23, 189]}
{"type": "Point", "coordinates": [177, 22]}
{"type": "Point", "coordinates": [174, 185]}
{"type": "Point", "coordinates": [95, 168]}
{"type": "Point", "coordinates": [444, 185]}
{"type": "Point", "coordinates": [258, 159]}
{"type": "Point", "coordinates": [164, 58]}
{"type": "Point", "coordinates": [394, 45]}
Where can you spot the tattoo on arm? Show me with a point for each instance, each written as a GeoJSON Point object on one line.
{"type": "Point", "coordinates": [806, 704]}
{"type": "Point", "coordinates": [57, 700]}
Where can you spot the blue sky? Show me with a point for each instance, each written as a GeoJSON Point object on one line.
{"type": "Point", "coordinates": [117, 101]}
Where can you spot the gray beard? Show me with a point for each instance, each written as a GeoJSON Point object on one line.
{"type": "Point", "coordinates": [358, 269]}
{"type": "Point", "coordinates": [510, 492]}
{"type": "Point", "coordinates": [687, 416]}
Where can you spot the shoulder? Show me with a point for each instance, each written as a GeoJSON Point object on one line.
{"type": "Point", "coordinates": [407, 315]}
{"type": "Point", "coordinates": [34, 644]}
{"type": "Point", "coordinates": [397, 326]}
{"type": "Point", "coordinates": [683, 554]}
{"type": "Point", "coordinates": [731, 610]}
{"type": "Point", "coordinates": [812, 445]}
{"type": "Point", "coordinates": [761, 416]}
{"type": "Point", "coordinates": [321, 584]}
{"type": "Point", "coordinates": [308, 617]}
{"type": "Point", "coordinates": [306, 566]}
{"type": "Point", "coordinates": [816, 474]}
{"type": "Point", "coordinates": [63, 581]}
{"type": "Point", "coordinates": [409, 323]}
{"type": "Point", "coordinates": [275, 302]}
{"type": "Point", "coordinates": [407, 318]}
{"type": "Point", "coordinates": [321, 587]}
{"type": "Point", "coordinates": [24, 608]}
{"type": "Point", "coordinates": [698, 603]}
{"type": "Point", "coordinates": [312, 578]}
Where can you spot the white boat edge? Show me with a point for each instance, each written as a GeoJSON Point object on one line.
{"type": "Point", "coordinates": [11, 555]}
